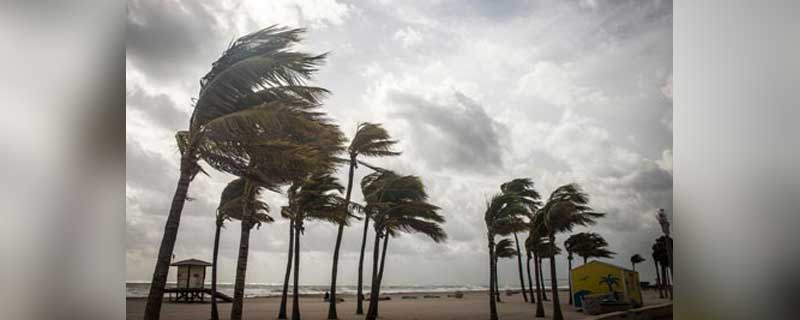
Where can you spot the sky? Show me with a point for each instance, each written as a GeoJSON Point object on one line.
{"type": "Point", "coordinates": [476, 92]}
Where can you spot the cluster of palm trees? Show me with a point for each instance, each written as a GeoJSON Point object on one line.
{"type": "Point", "coordinates": [257, 119]}
{"type": "Point", "coordinates": [518, 207]}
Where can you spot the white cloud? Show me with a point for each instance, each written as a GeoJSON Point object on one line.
{"type": "Point", "coordinates": [409, 37]}
{"type": "Point", "coordinates": [557, 84]}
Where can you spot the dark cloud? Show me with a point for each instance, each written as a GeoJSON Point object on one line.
{"type": "Point", "coordinates": [459, 135]}
{"type": "Point", "coordinates": [159, 109]}
{"type": "Point", "coordinates": [168, 39]}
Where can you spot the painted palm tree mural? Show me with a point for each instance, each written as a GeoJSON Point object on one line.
{"type": "Point", "coordinates": [610, 280]}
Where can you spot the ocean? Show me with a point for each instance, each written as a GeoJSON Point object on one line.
{"type": "Point", "coordinates": [141, 289]}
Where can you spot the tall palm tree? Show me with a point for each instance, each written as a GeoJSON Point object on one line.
{"type": "Point", "coordinates": [397, 204]}
{"type": "Point", "coordinates": [287, 274]}
{"type": "Point", "coordinates": [522, 188]}
{"type": "Point", "coordinates": [541, 257]}
{"type": "Point", "coordinates": [253, 103]}
{"type": "Point", "coordinates": [529, 255]}
{"type": "Point", "coordinates": [566, 208]}
{"type": "Point", "coordinates": [240, 201]}
{"type": "Point", "coordinates": [571, 245]}
{"type": "Point", "coordinates": [533, 242]}
{"type": "Point", "coordinates": [503, 249]}
{"type": "Point", "coordinates": [504, 213]}
{"type": "Point", "coordinates": [220, 221]}
{"type": "Point", "coordinates": [314, 198]}
{"type": "Point", "coordinates": [370, 140]}
{"type": "Point", "coordinates": [636, 258]}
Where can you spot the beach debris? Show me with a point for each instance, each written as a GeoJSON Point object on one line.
{"type": "Point", "coordinates": [458, 295]}
{"type": "Point", "coordinates": [431, 297]}
{"type": "Point", "coordinates": [409, 297]}
{"type": "Point", "coordinates": [384, 298]}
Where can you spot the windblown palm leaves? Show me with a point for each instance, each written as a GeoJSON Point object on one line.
{"type": "Point", "coordinates": [370, 140]}
{"type": "Point", "coordinates": [567, 207]}
{"type": "Point", "coordinates": [588, 245]}
{"type": "Point", "coordinates": [636, 259]}
{"type": "Point", "coordinates": [397, 204]}
{"type": "Point", "coordinates": [523, 189]}
{"type": "Point", "coordinates": [255, 118]}
{"type": "Point", "coordinates": [504, 215]}
{"type": "Point", "coordinates": [504, 249]}
{"type": "Point", "coordinates": [240, 200]}
{"type": "Point", "coordinates": [317, 197]}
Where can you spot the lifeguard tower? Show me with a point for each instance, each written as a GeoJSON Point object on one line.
{"type": "Point", "coordinates": [191, 282]}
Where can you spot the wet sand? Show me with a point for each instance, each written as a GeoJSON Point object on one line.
{"type": "Point", "coordinates": [474, 305]}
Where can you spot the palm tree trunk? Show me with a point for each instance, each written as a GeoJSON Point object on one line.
{"type": "Point", "coordinates": [496, 281]}
{"type": "Point", "coordinates": [214, 311]}
{"type": "Point", "coordinates": [373, 293]}
{"type": "Point", "coordinates": [152, 310]}
{"type": "Point", "coordinates": [530, 280]}
{"type": "Point", "coordinates": [380, 276]}
{"type": "Point", "coordinates": [241, 269]}
{"type": "Point", "coordinates": [541, 277]}
{"type": "Point", "coordinates": [539, 291]}
{"type": "Point", "coordinates": [296, 282]}
{"type": "Point", "coordinates": [554, 284]}
{"type": "Point", "coordinates": [584, 259]}
{"type": "Point", "coordinates": [332, 303]}
{"type": "Point", "coordinates": [569, 278]}
{"type": "Point", "coordinates": [519, 264]}
{"type": "Point", "coordinates": [633, 265]}
{"type": "Point", "coordinates": [658, 281]}
{"type": "Point", "coordinates": [359, 289]}
{"type": "Point", "coordinates": [492, 266]}
{"type": "Point", "coordinates": [284, 293]}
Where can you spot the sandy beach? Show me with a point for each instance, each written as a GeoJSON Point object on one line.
{"type": "Point", "coordinates": [474, 305]}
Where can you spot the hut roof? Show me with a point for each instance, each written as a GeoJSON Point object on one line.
{"type": "Point", "coordinates": [605, 263]}
{"type": "Point", "coordinates": [191, 262]}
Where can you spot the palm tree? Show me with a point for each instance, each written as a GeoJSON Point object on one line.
{"type": "Point", "coordinates": [541, 275]}
{"type": "Point", "coordinates": [571, 244]}
{"type": "Point", "coordinates": [529, 255]}
{"type": "Point", "coordinates": [287, 274]}
{"type": "Point", "coordinates": [220, 221]}
{"type": "Point", "coordinates": [566, 208]}
{"type": "Point", "coordinates": [589, 245]}
{"type": "Point", "coordinates": [610, 280]}
{"type": "Point", "coordinates": [636, 258]}
{"type": "Point", "coordinates": [502, 249]}
{"type": "Point", "coordinates": [313, 198]}
{"type": "Point", "coordinates": [658, 278]}
{"type": "Point", "coordinates": [522, 188]}
{"type": "Point", "coordinates": [370, 140]}
{"type": "Point", "coordinates": [240, 201]}
{"type": "Point", "coordinates": [397, 204]}
{"type": "Point", "coordinates": [504, 213]}
{"type": "Point", "coordinates": [258, 83]}
{"type": "Point", "coordinates": [533, 242]}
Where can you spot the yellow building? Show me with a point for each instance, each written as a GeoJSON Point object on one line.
{"type": "Point", "coordinates": [596, 277]}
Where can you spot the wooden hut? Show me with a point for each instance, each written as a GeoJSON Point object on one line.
{"type": "Point", "coordinates": [191, 280]}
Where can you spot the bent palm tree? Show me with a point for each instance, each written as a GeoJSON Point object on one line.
{"type": "Point", "coordinates": [220, 221]}
{"type": "Point", "coordinates": [523, 188]}
{"type": "Point", "coordinates": [636, 259]}
{"type": "Point", "coordinates": [397, 204]}
{"type": "Point", "coordinates": [287, 274]}
{"type": "Point", "coordinates": [533, 242]}
{"type": "Point", "coordinates": [240, 201]}
{"type": "Point", "coordinates": [566, 208]}
{"type": "Point", "coordinates": [503, 249]}
{"type": "Point", "coordinates": [252, 103]}
{"type": "Point", "coordinates": [370, 140]}
{"type": "Point", "coordinates": [529, 255]}
{"type": "Point", "coordinates": [504, 214]}
{"type": "Point", "coordinates": [313, 198]}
